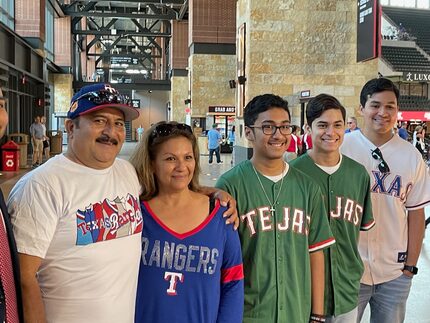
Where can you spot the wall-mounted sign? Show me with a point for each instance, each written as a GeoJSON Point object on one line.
{"type": "Point", "coordinates": [367, 29]}
{"type": "Point", "coordinates": [135, 103]}
{"type": "Point", "coordinates": [305, 94]}
{"type": "Point", "coordinates": [416, 77]}
{"type": "Point", "coordinates": [222, 109]}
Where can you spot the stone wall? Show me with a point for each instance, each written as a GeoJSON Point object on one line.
{"type": "Point", "coordinates": [209, 81]}
{"type": "Point", "coordinates": [178, 94]}
{"type": "Point", "coordinates": [63, 92]}
{"type": "Point", "coordinates": [303, 45]}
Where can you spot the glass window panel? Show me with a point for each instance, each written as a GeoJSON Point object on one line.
{"type": "Point", "coordinates": [423, 4]}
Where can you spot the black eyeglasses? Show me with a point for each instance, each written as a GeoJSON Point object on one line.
{"type": "Point", "coordinates": [105, 97]}
{"type": "Point", "coordinates": [165, 129]}
{"type": "Point", "coordinates": [382, 166]}
{"type": "Point", "coordinates": [269, 129]}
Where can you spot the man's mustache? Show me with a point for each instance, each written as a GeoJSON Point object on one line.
{"type": "Point", "coordinates": [106, 139]}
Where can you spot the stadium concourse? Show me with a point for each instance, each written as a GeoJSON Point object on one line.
{"type": "Point", "coordinates": [417, 311]}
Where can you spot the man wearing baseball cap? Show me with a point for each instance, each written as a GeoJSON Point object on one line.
{"type": "Point", "coordinates": [77, 220]}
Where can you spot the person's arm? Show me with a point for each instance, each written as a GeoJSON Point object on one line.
{"type": "Point", "coordinates": [317, 281]}
{"type": "Point", "coordinates": [416, 227]}
{"type": "Point", "coordinates": [34, 310]}
{"type": "Point", "coordinates": [230, 308]}
{"type": "Point", "coordinates": [225, 200]}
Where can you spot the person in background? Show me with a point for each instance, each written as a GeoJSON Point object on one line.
{"type": "Point", "coordinates": [232, 136]}
{"type": "Point", "coordinates": [284, 225]}
{"type": "Point", "coordinates": [306, 139]}
{"type": "Point", "coordinates": [10, 286]}
{"type": "Point", "coordinates": [37, 135]}
{"type": "Point", "coordinates": [400, 189]}
{"type": "Point", "coordinates": [348, 205]}
{"type": "Point", "coordinates": [403, 132]}
{"type": "Point", "coordinates": [45, 138]}
{"type": "Point", "coordinates": [214, 141]}
{"type": "Point", "coordinates": [185, 228]}
{"type": "Point", "coordinates": [352, 125]}
{"type": "Point", "coordinates": [419, 140]}
{"type": "Point", "coordinates": [294, 148]}
{"type": "Point", "coordinates": [139, 132]}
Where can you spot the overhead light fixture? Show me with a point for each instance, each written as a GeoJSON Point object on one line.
{"type": "Point", "coordinates": [113, 31]}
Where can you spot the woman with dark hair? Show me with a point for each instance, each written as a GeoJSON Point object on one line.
{"type": "Point", "coordinates": [191, 266]}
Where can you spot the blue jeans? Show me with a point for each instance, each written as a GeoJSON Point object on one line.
{"type": "Point", "coordinates": [211, 154]}
{"type": "Point", "coordinates": [348, 317]}
{"type": "Point", "coordinates": [387, 300]}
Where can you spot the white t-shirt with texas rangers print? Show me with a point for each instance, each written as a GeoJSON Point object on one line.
{"type": "Point", "coordinates": [86, 226]}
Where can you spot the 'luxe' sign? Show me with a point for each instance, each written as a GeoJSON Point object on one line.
{"type": "Point", "coordinates": [411, 77]}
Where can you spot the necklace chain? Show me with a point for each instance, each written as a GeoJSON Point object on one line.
{"type": "Point", "coordinates": [272, 206]}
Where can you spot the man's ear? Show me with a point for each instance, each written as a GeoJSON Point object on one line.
{"type": "Point", "coordinates": [69, 126]}
{"type": "Point", "coordinates": [249, 134]}
{"type": "Point", "coordinates": [360, 110]}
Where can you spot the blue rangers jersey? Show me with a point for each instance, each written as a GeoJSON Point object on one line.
{"type": "Point", "coordinates": [191, 277]}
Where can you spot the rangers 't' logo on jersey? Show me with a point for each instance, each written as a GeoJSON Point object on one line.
{"type": "Point", "coordinates": [173, 278]}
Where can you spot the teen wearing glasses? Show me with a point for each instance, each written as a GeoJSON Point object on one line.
{"type": "Point", "coordinates": [191, 264]}
{"type": "Point", "coordinates": [400, 189]}
{"type": "Point", "coordinates": [284, 226]}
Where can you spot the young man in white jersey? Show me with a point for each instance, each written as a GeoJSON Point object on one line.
{"type": "Point", "coordinates": [400, 189]}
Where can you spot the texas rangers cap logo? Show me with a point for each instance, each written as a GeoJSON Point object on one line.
{"type": "Point", "coordinates": [74, 106]}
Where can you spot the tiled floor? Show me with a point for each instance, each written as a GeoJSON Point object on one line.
{"type": "Point", "coordinates": [418, 308]}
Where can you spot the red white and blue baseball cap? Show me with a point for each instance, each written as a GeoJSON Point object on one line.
{"type": "Point", "coordinates": [98, 96]}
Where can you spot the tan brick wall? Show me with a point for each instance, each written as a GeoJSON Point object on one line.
{"type": "Point", "coordinates": [179, 45]}
{"type": "Point", "coordinates": [178, 94]}
{"type": "Point", "coordinates": [209, 81]}
{"type": "Point", "coordinates": [212, 21]}
{"type": "Point", "coordinates": [30, 18]}
{"type": "Point", "coordinates": [63, 92]}
{"type": "Point", "coordinates": [63, 41]}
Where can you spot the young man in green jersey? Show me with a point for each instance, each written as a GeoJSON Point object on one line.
{"type": "Point", "coordinates": [345, 186]}
{"type": "Point", "coordinates": [284, 225]}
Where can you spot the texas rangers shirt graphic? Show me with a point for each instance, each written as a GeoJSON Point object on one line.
{"type": "Point", "coordinates": [108, 219]}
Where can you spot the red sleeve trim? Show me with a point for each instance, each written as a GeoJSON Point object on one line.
{"type": "Point", "coordinates": [321, 245]}
{"type": "Point", "coordinates": [232, 273]}
{"type": "Point", "coordinates": [367, 226]}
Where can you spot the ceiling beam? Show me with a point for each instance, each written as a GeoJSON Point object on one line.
{"type": "Point", "coordinates": [123, 33]}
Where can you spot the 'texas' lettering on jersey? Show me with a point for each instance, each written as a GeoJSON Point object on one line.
{"type": "Point", "coordinates": [292, 220]}
{"type": "Point", "coordinates": [168, 255]}
{"type": "Point", "coordinates": [395, 188]}
{"type": "Point", "coordinates": [109, 219]}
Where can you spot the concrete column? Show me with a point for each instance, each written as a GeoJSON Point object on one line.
{"type": "Point", "coordinates": [293, 46]}
{"type": "Point", "coordinates": [179, 70]}
{"type": "Point", "coordinates": [212, 62]}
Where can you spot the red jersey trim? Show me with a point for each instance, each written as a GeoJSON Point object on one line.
{"type": "Point", "coordinates": [184, 235]}
{"type": "Point", "coordinates": [232, 273]}
{"type": "Point", "coordinates": [368, 226]}
{"type": "Point", "coordinates": [321, 245]}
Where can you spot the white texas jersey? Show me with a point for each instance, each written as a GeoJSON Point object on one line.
{"type": "Point", "coordinates": [405, 187]}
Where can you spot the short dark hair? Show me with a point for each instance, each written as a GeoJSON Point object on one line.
{"type": "Point", "coordinates": [262, 103]}
{"type": "Point", "coordinates": [322, 102]}
{"type": "Point", "coordinates": [375, 86]}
